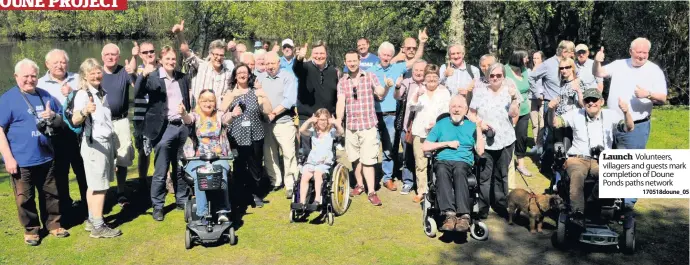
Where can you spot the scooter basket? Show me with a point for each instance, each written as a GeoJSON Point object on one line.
{"type": "Point", "coordinates": [210, 178]}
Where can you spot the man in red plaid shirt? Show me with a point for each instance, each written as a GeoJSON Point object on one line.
{"type": "Point", "coordinates": [356, 92]}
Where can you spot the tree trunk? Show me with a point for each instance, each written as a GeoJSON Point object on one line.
{"type": "Point", "coordinates": [495, 18]}
{"type": "Point", "coordinates": [572, 26]}
{"type": "Point", "coordinates": [552, 30]}
{"type": "Point", "coordinates": [599, 12]}
{"type": "Point", "coordinates": [457, 22]}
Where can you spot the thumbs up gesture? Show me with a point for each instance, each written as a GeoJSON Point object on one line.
{"type": "Point", "coordinates": [641, 92]}
{"type": "Point", "coordinates": [599, 57]}
{"type": "Point", "coordinates": [148, 69]}
{"type": "Point", "coordinates": [90, 107]}
{"type": "Point", "coordinates": [449, 70]}
{"type": "Point", "coordinates": [128, 67]}
{"type": "Point", "coordinates": [302, 52]}
{"type": "Point", "coordinates": [182, 110]}
{"type": "Point", "coordinates": [231, 45]}
{"type": "Point", "coordinates": [623, 105]}
{"type": "Point", "coordinates": [423, 37]}
{"type": "Point", "coordinates": [388, 81]}
{"type": "Point", "coordinates": [398, 81]}
{"type": "Point", "coordinates": [178, 27]}
{"type": "Point", "coordinates": [47, 112]}
{"type": "Point", "coordinates": [135, 49]}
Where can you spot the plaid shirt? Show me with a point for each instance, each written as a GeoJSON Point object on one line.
{"type": "Point", "coordinates": [360, 113]}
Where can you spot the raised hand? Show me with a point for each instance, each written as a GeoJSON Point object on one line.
{"type": "Point", "coordinates": [422, 36]}
{"type": "Point", "coordinates": [178, 27]}
{"type": "Point", "coordinates": [237, 111]}
{"type": "Point", "coordinates": [149, 68]}
{"type": "Point", "coordinates": [623, 105]}
{"type": "Point", "coordinates": [449, 70]}
{"type": "Point", "coordinates": [302, 52]}
{"type": "Point", "coordinates": [135, 49]}
{"type": "Point", "coordinates": [388, 81]}
{"type": "Point", "coordinates": [257, 85]}
{"type": "Point", "coordinates": [232, 44]}
{"type": "Point", "coordinates": [47, 112]}
{"type": "Point", "coordinates": [554, 102]}
{"type": "Point", "coordinates": [90, 107]}
{"type": "Point", "coordinates": [641, 92]}
{"type": "Point", "coordinates": [599, 57]}
{"type": "Point", "coordinates": [128, 67]}
{"type": "Point", "coordinates": [181, 110]}
{"type": "Point", "coordinates": [398, 81]}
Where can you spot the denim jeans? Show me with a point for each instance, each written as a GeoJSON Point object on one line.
{"type": "Point", "coordinates": [201, 199]}
{"type": "Point", "coordinates": [386, 127]}
{"type": "Point", "coordinates": [635, 139]}
{"type": "Point", "coordinates": [407, 175]}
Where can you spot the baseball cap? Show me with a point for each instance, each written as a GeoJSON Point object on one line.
{"type": "Point", "coordinates": [287, 42]}
{"type": "Point", "coordinates": [257, 44]}
{"type": "Point", "coordinates": [591, 93]}
{"type": "Point", "coordinates": [581, 47]}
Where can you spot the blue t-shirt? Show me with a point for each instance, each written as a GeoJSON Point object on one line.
{"type": "Point", "coordinates": [465, 133]}
{"type": "Point", "coordinates": [365, 63]}
{"type": "Point", "coordinates": [393, 71]}
{"type": "Point", "coordinates": [28, 146]}
{"type": "Point", "coordinates": [287, 66]}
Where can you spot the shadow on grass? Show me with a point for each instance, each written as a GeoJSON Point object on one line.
{"type": "Point", "coordinates": [661, 238]}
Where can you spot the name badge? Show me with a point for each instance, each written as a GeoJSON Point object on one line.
{"type": "Point", "coordinates": [246, 123]}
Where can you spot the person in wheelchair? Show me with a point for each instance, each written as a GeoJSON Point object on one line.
{"type": "Point", "coordinates": [210, 132]}
{"type": "Point", "coordinates": [454, 138]}
{"type": "Point", "coordinates": [323, 130]}
{"type": "Point", "coordinates": [593, 129]}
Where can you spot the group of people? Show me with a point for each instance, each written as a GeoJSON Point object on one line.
{"type": "Point", "coordinates": [263, 108]}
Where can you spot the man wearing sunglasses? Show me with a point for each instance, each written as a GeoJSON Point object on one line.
{"type": "Point", "coordinates": [584, 68]}
{"type": "Point", "coordinates": [287, 60]}
{"type": "Point", "coordinates": [549, 73]}
{"type": "Point", "coordinates": [356, 98]}
{"type": "Point", "coordinates": [639, 82]}
{"type": "Point", "coordinates": [147, 54]}
{"type": "Point", "coordinates": [593, 128]}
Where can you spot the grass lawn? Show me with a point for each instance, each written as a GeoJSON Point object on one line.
{"type": "Point", "coordinates": [391, 234]}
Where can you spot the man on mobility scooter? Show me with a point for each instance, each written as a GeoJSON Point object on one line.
{"type": "Point", "coordinates": [454, 139]}
{"type": "Point", "coordinates": [593, 129]}
{"type": "Point", "coordinates": [207, 168]}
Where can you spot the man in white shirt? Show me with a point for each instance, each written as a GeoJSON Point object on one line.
{"type": "Point", "coordinates": [584, 68]}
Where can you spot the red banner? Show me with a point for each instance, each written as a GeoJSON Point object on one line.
{"type": "Point", "coordinates": [63, 4]}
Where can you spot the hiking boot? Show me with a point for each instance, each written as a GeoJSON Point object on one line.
{"type": "Point", "coordinates": [374, 199]}
{"type": "Point", "coordinates": [59, 233]}
{"type": "Point", "coordinates": [356, 191]}
{"type": "Point", "coordinates": [449, 223]}
{"type": "Point", "coordinates": [462, 223]}
{"type": "Point", "coordinates": [406, 188]}
{"type": "Point", "coordinates": [105, 232]}
{"type": "Point", "coordinates": [390, 185]}
{"type": "Point", "coordinates": [88, 226]}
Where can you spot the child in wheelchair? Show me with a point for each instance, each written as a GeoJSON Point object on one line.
{"type": "Point", "coordinates": [208, 140]}
{"type": "Point", "coordinates": [323, 130]}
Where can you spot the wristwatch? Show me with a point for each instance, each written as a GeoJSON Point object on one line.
{"type": "Point", "coordinates": [649, 95]}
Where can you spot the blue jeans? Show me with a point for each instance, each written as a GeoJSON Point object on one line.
{"type": "Point", "coordinates": [635, 139]}
{"type": "Point", "coordinates": [201, 200]}
{"type": "Point", "coordinates": [386, 129]}
{"type": "Point", "coordinates": [408, 158]}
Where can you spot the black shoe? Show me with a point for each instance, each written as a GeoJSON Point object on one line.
{"type": "Point", "coordinates": [483, 216]}
{"type": "Point", "coordinates": [258, 202]}
{"type": "Point", "coordinates": [180, 206]}
{"type": "Point", "coordinates": [158, 214]}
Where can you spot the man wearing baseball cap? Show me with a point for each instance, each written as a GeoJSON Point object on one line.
{"type": "Point", "coordinates": [287, 60]}
{"type": "Point", "coordinates": [584, 68]}
{"type": "Point", "coordinates": [257, 45]}
{"type": "Point", "coordinates": [593, 129]}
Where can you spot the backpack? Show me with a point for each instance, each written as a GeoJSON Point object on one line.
{"type": "Point", "coordinates": [68, 112]}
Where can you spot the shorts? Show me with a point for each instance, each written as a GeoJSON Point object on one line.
{"type": "Point", "coordinates": [123, 143]}
{"type": "Point", "coordinates": [362, 145]}
{"type": "Point", "coordinates": [99, 163]}
{"type": "Point", "coordinates": [312, 168]}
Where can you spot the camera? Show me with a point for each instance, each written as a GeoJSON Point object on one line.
{"type": "Point", "coordinates": [559, 156]}
{"type": "Point", "coordinates": [45, 126]}
{"type": "Point", "coordinates": [594, 152]}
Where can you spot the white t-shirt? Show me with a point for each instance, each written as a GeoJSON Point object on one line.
{"type": "Point", "coordinates": [624, 79]}
{"type": "Point", "coordinates": [428, 109]}
{"type": "Point", "coordinates": [588, 133]}
{"type": "Point", "coordinates": [102, 127]}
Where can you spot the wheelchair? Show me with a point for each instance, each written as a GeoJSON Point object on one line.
{"type": "Point", "coordinates": [213, 231]}
{"type": "Point", "coordinates": [431, 214]}
{"type": "Point", "coordinates": [335, 192]}
{"type": "Point", "coordinates": [598, 216]}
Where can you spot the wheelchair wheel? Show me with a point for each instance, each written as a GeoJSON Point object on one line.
{"type": "Point", "coordinates": [479, 231]}
{"type": "Point", "coordinates": [187, 239]}
{"type": "Point", "coordinates": [293, 216]}
{"type": "Point", "coordinates": [561, 231]}
{"type": "Point", "coordinates": [330, 218]}
{"type": "Point", "coordinates": [188, 210]}
{"type": "Point", "coordinates": [340, 189]}
{"type": "Point", "coordinates": [232, 239]}
{"type": "Point", "coordinates": [430, 227]}
{"type": "Point", "coordinates": [628, 240]}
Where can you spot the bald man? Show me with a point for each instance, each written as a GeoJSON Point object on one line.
{"type": "Point", "coordinates": [280, 131]}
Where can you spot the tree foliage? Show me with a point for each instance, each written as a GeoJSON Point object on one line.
{"type": "Point", "coordinates": [528, 25]}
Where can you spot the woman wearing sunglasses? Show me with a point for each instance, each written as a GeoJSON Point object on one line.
{"type": "Point", "coordinates": [569, 98]}
{"type": "Point", "coordinates": [495, 107]}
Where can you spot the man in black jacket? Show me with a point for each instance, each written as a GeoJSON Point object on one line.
{"type": "Point", "coordinates": [317, 84]}
{"type": "Point", "coordinates": [166, 89]}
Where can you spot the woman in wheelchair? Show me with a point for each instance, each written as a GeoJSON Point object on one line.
{"type": "Point", "coordinates": [210, 127]}
{"type": "Point", "coordinates": [323, 130]}
{"type": "Point", "coordinates": [453, 139]}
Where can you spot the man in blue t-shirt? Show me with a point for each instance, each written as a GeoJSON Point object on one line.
{"type": "Point", "coordinates": [28, 153]}
{"type": "Point", "coordinates": [456, 137]}
{"type": "Point", "coordinates": [366, 59]}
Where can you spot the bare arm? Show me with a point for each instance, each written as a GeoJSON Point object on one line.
{"type": "Point", "coordinates": [338, 127]}
{"type": "Point", "coordinates": [479, 145]}
{"type": "Point", "coordinates": [598, 70]}
{"type": "Point", "coordinates": [304, 129]}
{"type": "Point", "coordinates": [5, 146]}
{"type": "Point", "coordinates": [429, 146]}
{"type": "Point", "coordinates": [340, 108]}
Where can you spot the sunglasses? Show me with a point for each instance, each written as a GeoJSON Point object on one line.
{"type": "Point", "coordinates": [354, 92]}
{"type": "Point", "coordinates": [496, 76]}
{"type": "Point", "coordinates": [148, 52]}
{"type": "Point", "coordinates": [565, 67]}
{"type": "Point", "coordinates": [590, 100]}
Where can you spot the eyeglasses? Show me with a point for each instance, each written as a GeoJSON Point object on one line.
{"type": "Point", "coordinates": [148, 52]}
{"type": "Point", "coordinates": [590, 100]}
{"type": "Point", "coordinates": [221, 55]}
{"type": "Point", "coordinates": [496, 76]}
{"type": "Point", "coordinates": [565, 67]}
{"type": "Point", "coordinates": [409, 48]}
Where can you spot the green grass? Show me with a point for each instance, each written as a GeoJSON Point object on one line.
{"type": "Point", "coordinates": [391, 234]}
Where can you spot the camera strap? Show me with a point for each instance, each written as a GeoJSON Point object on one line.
{"type": "Point", "coordinates": [603, 137]}
{"type": "Point", "coordinates": [31, 107]}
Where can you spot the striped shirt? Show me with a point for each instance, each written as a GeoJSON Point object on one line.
{"type": "Point", "coordinates": [140, 104]}
{"type": "Point", "coordinates": [205, 77]}
{"type": "Point", "coordinates": [359, 100]}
